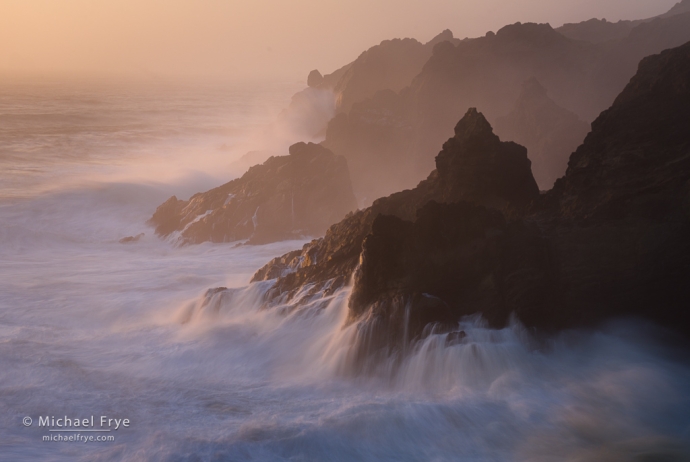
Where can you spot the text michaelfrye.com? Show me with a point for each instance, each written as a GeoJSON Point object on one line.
{"type": "Point", "coordinates": [81, 430]}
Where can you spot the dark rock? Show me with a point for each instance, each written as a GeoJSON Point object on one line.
{"type": "Point", "coordinates": [454, 260]}
{"type": "Point", "coordinates": [315, 78]}
{"type": "Point", "coordinates": [549, 132]}
{"type": "Point", "coordinates": [286, 197]}
{"type": "Point", "coordinates": [620, 60]}
{"type": "Point", "coordinates": [610, 239]}
{"type": "Point", "coordinates": [130, 239]}
{"type": "Point", "coordinates": [468, 168]}
{"type": "Point", "coordinates": [475, 165]}
{"type": "Point", "coordinates": [455, 338]}
{"type": "Point", "coordinates": [637, 148]}
{"type": "Point", "coordinates": [623, 205]}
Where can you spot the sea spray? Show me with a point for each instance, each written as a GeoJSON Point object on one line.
{"type": "Point", "coordinates": [89, 326]}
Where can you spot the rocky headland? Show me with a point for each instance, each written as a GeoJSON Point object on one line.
{"type": "Point", "coordinates": [286, 197]}
{"type": "Point", "coordinates": [390, 65]}
{"type": "Point", "coordinates": [477, 238]}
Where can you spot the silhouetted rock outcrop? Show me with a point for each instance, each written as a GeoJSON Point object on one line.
{"type": "Point", "coordinates": [637, 148]}
{"type": "Point", "coordinates": [473, 166]}
{"type": "Point", "coordinates": [391, 65]}
{"type": "Point", "coordinates": [597, 30]}
{"type": "Point", "coordinates": [549, 132]}
{"type": "Point", "coordinates": [487, 72]}
{"type": "Point", "coordinates": [610, 239]}
{"type": "Point", "coordinates": [315, 78]}
{"type": "Point", "coordinates": [130, 239]}
{"type": "Point", "coordinates": [454, 260]}
{"type": "Point", "coordinates": [621, 210]}
{"type": "Point", "coordinates": [601, 30]}
{"type": "Point", "coordinates": [619, 62]}
{"type": "Point", "coordinates": [398, 131]}
{"type": "Point", "coordinates": [679, 8]}
{"type": "Point", "coordinates": [287, 197]}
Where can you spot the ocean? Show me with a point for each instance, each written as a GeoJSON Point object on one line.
{"type": "Point", "coordinates": [90, 326]}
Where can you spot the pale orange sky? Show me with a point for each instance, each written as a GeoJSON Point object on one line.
{"type": "Point", "coordinates": [254, 38]}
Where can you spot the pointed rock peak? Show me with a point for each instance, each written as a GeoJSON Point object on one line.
{"type": "Point", "coordinates": [315, 78]}
{"type": "Point", "coordinates": [445, 36]}
{"type": "Point", "coordinates": [532, 88]}
{"type": "Point", "coordinates": [473, 124]}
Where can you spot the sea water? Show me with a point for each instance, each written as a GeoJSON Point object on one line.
{"type": "Point", "coordinates": [91, 327]}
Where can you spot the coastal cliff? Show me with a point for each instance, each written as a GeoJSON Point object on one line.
{"type": "Point", "coordinates": [475, 237]}
{"type": "Point", "coordinates": [286, 197]}
{"type": "Point", "coordinates": [475, 166]}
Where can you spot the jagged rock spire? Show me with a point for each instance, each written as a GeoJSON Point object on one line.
{"type": "Point", "coordinates": [475, 165]}
{"type": "Point", "coordinates": [474, 125]}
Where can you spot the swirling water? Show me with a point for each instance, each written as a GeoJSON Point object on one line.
{"type": "Point", "coordinates": [90, 326]}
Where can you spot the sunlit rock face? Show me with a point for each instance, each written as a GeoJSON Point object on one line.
{"type": "Point", "coordinates": [610, 239]}
{"type": "Point", "coordinates": [286, 197]}
{"type": "Point", "coordinates": [549, 132]}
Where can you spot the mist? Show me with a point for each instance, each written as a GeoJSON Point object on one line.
{"type": "Point", "coordinates": [265, 39]}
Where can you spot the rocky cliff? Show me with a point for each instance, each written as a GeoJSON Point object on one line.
{"type": "Point", "coordinates": [609, 239]}
{"type": "Point", "coordinates": [474, 166]}
{"type": "Point", "coordinates": [622, 208]}
{"type": "Point", "coordinates": [397, 132]}
{"type": "Point", "coordinates": [601, 30]}
{"type": "Point", "coordinates": [286, 197]}
{"type": "Point", "coordinates": [598, 30]}
{"type": "Point", "coordinates": [390, 65]}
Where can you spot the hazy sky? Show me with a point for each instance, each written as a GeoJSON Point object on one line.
{"type": "Point", "coordinates": [250, 38]}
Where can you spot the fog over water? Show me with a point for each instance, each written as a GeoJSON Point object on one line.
{"type": "Point", "coordinates": [89, 326]}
